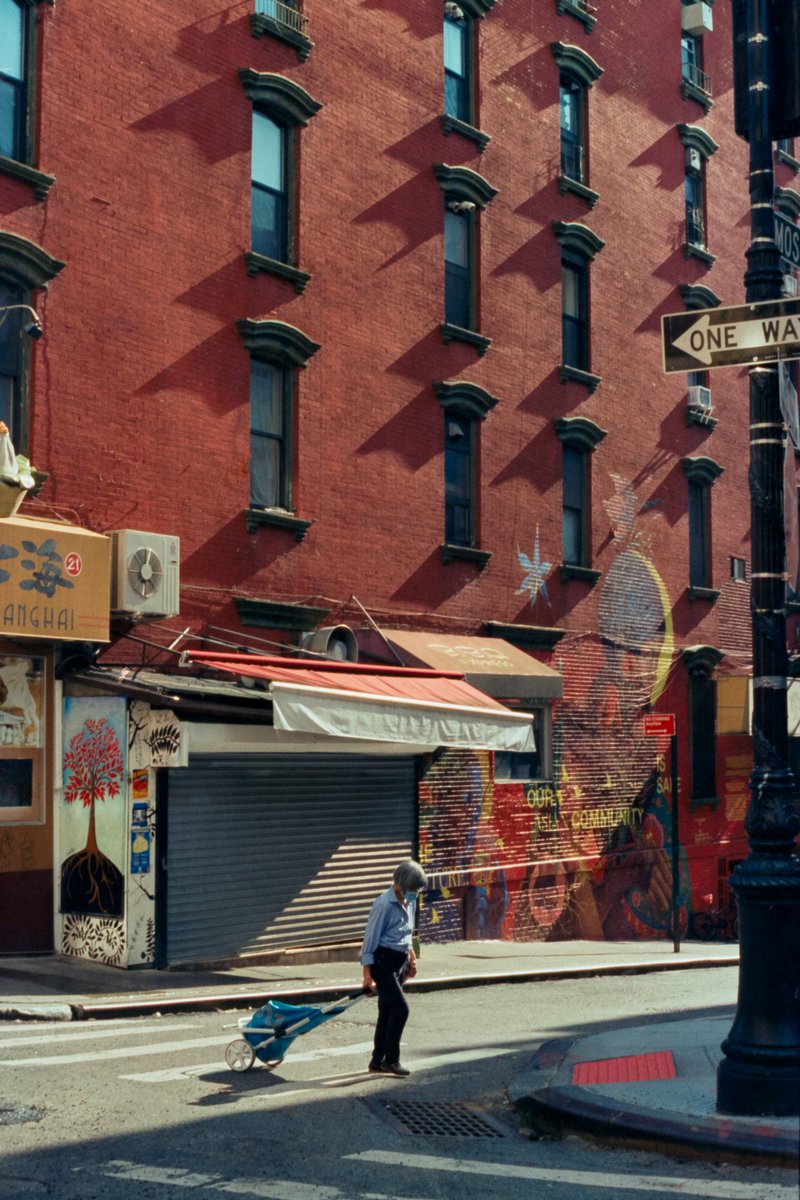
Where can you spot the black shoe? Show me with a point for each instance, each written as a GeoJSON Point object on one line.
{"type": "Point", "coordinates": [395, 1068]}
{"type": "Point", "coordinates": [374, 1067]}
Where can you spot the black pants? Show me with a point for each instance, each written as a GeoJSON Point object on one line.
{"type": "Point", "coordinates": [387, 971]}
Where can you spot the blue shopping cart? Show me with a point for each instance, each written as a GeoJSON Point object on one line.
{"type": "Point", "coordinates": [270, 1031]}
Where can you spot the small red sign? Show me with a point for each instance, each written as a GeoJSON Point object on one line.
{"type": "Point", "coordinates": [73, 563]}
{"type": "Point", "coordinates": [659, 724]}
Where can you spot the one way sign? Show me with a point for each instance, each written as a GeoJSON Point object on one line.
{"type": "Point", "coordinates": [728, 337]}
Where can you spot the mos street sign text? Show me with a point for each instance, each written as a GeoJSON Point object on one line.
{"type": "Point", "coordinates": [727, 337]}
{"type": "Point", "coordinates": [787, 239]}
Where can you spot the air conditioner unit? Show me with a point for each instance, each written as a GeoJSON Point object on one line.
{"type": "Point", "coordinates": [789, 286]}
{"type": "Point", "coordinates": [693, 159]}
{"type": "Point", "coordinates": [697, 19]}
{"type": "Point", "coordinates": [145, 574]}
{"type": "Point", "coordinates": [699, 398]}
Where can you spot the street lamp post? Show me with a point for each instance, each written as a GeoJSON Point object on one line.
{"type": "Point", "coordinates": [760, 1071]}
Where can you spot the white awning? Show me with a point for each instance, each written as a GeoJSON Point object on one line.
{"type": "Point", "coordinates": [298, 708]}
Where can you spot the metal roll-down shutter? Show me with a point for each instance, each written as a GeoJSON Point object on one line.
{"type": "Point", "coordinates": [269, 852]}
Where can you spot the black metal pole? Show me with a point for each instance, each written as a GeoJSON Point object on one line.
{"type": "Point", "coordinates": [760, 1071]}
{"type": "Point", "coordinates": [676, 858]}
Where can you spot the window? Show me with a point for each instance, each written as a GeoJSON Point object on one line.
{"type": "Point", "coordinates": [24, 266]}
{"type": "Point", "coordinates": [465, 194]}
{"type": "Point", "coordinates": [459, 255]}
{"type": "Point", "coordinates": [701, 663]}
{"type": "Point", "coordinates": [574, 312]}
{"type": "Point", "coordinates": [282, 19]}
{"type": "Point", "coordinates": [511, 767]}
{"type": "Point", "coordinates": [269, 212]}
{"type": "Point", "coordinates": [577, 72]}
{"type": "Point", "coordinates": [13, 58]}
{"type": "Point", "coordinates": [22, 730]}
{"type": "Point", "coordinates": [277, 350]}
{"type": "Point", "coordinates": [701, 473]}
{"type": "Point", "coordinates": [270, 444]}
{"type": "Point", "coordinates": [578, 247]}
{"type": "Point", "coordinates": [572, 123]}
{"type": "Point", "coordinates": [465, 405]}
{"type": "Point", "coordinates": [458, 68]}
{"type": "Point", "coordinates": [738, 569]}
{"type": "Point", "coordinates": [579, 438]}
{"type": "Point", "coordinates": [695, 84]}
{"type": "Point", "coordinates": [279, 107]}
{"type": "Point", "coordinates": [698, 147]}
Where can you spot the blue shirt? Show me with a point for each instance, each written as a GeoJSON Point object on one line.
{"type": "Point", "coordinates": [390, 923]}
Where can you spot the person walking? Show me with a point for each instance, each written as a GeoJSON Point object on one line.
{"type": "Point", "coordinates": [388, 958]}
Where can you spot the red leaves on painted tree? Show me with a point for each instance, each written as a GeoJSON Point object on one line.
{"type": "Point", "coordinates": [93, 763]}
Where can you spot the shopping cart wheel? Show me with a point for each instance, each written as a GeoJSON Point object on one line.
{"type": "Point", "coordinates": [240, 1055]}
{"type": "Point", "coordinates": [272, 1062]}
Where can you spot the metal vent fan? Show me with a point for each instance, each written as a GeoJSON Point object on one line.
{"type": "Point", "coordinates": [145, 572]}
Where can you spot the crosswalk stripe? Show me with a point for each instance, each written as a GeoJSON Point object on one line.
{"type": "Point", "coordinates": [82, 1035]}
{"type": "Point", "coordinates": [171, 1074]}
{"type": "Point", "coordinates": [263, 1189]}
{"type": "Point", "coordinates": [60, 1060]}
{"type": "Point", "coordinates": [708, 1189]}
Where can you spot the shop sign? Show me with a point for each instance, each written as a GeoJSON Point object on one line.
{"type": "Point", "coordinates": [55, 581]}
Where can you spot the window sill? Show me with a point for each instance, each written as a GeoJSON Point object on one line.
{"type": "Point", "coordinates": [788, 159]}
{"type": "Point", "coordinates": [566, 184]}
{"type": "Point", "coordinates": [40, 182]}
{"type": "Point", "coordinates": [690, 250]}
{"type": "Point", "coordinates": [470, 132]}
{"type": "Point", "coordinates": [568, 374]}
{"type": "Point", "coordinates": [254, 518]}
{"type": "Point", "coordinates": [690, 91]}
{"type": "Point", "coordinates": [257, 263]}
{"type": "Point", "coordinates": [261, 24]}
{"type": "Point", "coordinates": [575, 9]}
{"type": "Point", "coordinates": [454, 333]}
{"type": "Point", "coordinates": [452, 553]}
{"type": "Point", "coordinates": [703, 802]}
{"type": "Point", "coordinates": [709, 595]}
{"type": "Point", "coordinates": [570, 571]}
{"type": "Point", "coordinates": [700, 416]}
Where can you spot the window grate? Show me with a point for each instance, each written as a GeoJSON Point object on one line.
{"type": "Point", "coordinates": [429, 1119]}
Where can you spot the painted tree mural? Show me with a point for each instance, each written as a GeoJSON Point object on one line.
{"type": "Point", "coordinates": [93, 772]}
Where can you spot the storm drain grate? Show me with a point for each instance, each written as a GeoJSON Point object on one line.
{"type": "Point", "coordinates": [441, 1120]}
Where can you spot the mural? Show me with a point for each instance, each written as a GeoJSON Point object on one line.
{"type": "Point", "coordinates": [94, 775]}
{"type": "Point", "coordinates": [587, 854]}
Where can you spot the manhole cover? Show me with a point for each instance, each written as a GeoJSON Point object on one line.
{"type": "Point", "coordinates": [441, 1120]}
{"type": "Point", "coordinates": [18, 1114]}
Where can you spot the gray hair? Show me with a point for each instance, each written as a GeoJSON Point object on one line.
{"type": "Point", "coordinates": [410, 876]}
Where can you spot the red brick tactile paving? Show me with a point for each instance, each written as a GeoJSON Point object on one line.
{"type": "Point", "coordinates": [633, 1068]}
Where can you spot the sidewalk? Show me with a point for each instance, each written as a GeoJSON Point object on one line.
{"type": "Point", "coordinates": [653, 1084]}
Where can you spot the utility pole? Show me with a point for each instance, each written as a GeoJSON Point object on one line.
{"type": "Point", "coordinates": [760, 1071]}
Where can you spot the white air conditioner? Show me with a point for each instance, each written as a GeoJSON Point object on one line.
{"type": "Point", "coordinates": [699, 398]}
{"type": "Point", "coordinates": [693, 159]}
{"type": "Point", "coordinates": [789, 286]}
{"type": "Point", "coordinates": [697, 19]}
{"type": "Point", "coordinates": [145, 574]}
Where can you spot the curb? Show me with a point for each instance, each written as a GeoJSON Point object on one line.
{"type": "Point", "coordinates": [557, 1109]}
{"type": "Point", "coordinates": [149, 1004]}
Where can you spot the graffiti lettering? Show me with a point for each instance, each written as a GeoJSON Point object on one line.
{"type": "Point", "coordinates": [606, 818]}
{"type": "Point", "coordinates": [543, 796]}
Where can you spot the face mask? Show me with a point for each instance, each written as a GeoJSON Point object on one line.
{"type": "Point", "coordinates": [410, 897]}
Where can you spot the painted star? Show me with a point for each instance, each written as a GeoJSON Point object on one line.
{"type": "Point", "coordinates": [537, 572]}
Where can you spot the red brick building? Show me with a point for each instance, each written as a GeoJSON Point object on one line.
{"type": "Point", "coordinates": [361, 303]}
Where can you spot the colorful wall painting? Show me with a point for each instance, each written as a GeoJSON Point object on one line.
{"type": "Point", "coordinates": [93, 816]}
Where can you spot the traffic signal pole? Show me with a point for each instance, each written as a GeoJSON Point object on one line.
{"type": "Point", "coordinates": [760, 1070]}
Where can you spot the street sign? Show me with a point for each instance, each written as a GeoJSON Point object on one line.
{"type": "Point", "coordinates": [727, 337]}
{"type": "Point", "coordinates": [659, 724]}
{"type": "Point", "coordinates": [787, 238]}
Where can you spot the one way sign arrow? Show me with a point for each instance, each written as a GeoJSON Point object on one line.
{"type": "Point", "coordinates": [726, 337]}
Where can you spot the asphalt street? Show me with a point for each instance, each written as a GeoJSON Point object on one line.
{"type": "Point", "coordinates": [146, 1108]}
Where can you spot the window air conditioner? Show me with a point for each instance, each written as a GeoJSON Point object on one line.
{"type": "Point", "coordinates": [789, 286]}
{"type": "Point", "coordinates": [145, 574]}
{"type": "Point", "coordinates": [699, 398]}
{"type": "Point", "coordinates": [697, 19]}
{"type": "Point", "coordinates": [692, 159]}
